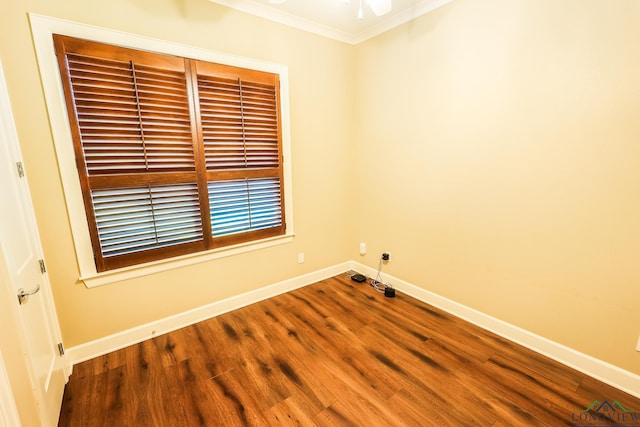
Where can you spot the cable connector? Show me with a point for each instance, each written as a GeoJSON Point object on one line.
{"type": "Point", "coordinates": [378, 284]}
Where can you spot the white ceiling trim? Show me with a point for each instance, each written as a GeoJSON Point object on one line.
{"type": "Point", "coordinates": [399, 18]}
{"type": "Point", "coordinates": [391, 21]}
{"type": "Point", "coordinates": [267, 12]}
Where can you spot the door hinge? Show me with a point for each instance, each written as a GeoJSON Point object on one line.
{"type": "Point", "coordinates": [60, 349]}
{"type": "Point", "coordinates": [43, 268]}
{"type": "Point", "coordinates": [20, 169]}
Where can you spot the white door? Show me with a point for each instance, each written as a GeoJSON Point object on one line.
{"type": "Point", "coordinates": [22, 254]}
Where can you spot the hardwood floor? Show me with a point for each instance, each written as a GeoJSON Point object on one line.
{"type": "Point", "coordinates": [333, 353]}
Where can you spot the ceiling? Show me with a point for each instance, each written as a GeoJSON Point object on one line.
{"type": "Point", "coordinates": [335, 19]}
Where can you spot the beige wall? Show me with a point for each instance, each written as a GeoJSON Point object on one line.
{"type": "Point", "coordinates": [319, 74]}
{"type": "Point", "coordinates": [501, 140]}
{"type": "Point", "coordinates": [492, 146]}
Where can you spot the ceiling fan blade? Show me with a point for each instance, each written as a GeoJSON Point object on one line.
{"type": "Point", "coordinates": [380, 7]}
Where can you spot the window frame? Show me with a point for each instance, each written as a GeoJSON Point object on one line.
{"type": "Point", "coordinates": [43, 29]}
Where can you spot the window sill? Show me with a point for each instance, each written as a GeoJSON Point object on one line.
{"type": "Point", "coordinates": [108, 277]}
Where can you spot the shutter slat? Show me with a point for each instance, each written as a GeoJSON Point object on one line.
{"type": "Point", "coordinates": [136, 219]}
{"type": "Point", "coordinates": [244, 205]}
{"type": "Point", "coordinates": [119, 101]}
{"type": "Point", "coordinates": [239, 123]}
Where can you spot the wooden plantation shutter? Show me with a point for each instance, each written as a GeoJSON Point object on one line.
{"type": "Point", "coordinates": [241, 139]}
{"type": "Point", "coordinates": [158, 178]}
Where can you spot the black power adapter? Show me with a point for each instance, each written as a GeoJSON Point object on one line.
{"type": "Point", "coordinates": [358, 278]}
{"type": "Point", "coordinates": [389, 292]}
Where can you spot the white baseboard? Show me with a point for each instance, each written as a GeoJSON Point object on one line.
{"type": "Point", "coordinates": [138, 334]}
{"type": "Point", "coordinates": [603, 371]}
{"type": "Point", "coordinates": [598, 369]}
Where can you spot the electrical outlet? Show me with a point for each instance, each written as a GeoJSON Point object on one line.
{"type": "Point", "coordinates": [300, 257]}
{"type": "Point", "coordinates": [638, 345]}
{"type": "Point", "coordinates": [386, 256]}
{"type": "Point", "coordinates": [363, 248]}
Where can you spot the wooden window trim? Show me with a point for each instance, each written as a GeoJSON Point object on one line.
{"type": "Point", "coordinates": [201, 176]}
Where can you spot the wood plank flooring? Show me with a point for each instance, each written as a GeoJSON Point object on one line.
{"type": "Point", "coordinates": [331, 354]}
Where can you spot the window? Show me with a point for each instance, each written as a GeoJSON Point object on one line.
{"type": "Point", "coordinates": [174, 155]}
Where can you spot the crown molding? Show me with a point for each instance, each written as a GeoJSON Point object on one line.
{"type": "Point", "coordinates": [398, 19]}
{"type": "Point", "coordinates": [260, 10]}
{"type": "Point", "coordinates": [391, 21]}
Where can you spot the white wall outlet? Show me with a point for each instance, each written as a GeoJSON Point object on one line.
{"type": "Point", "coordinates": [363, 248]}
{"type": "Point", "coordinates": [300, 257]}
{"type": "Point", "coordinates": [638, 345]}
